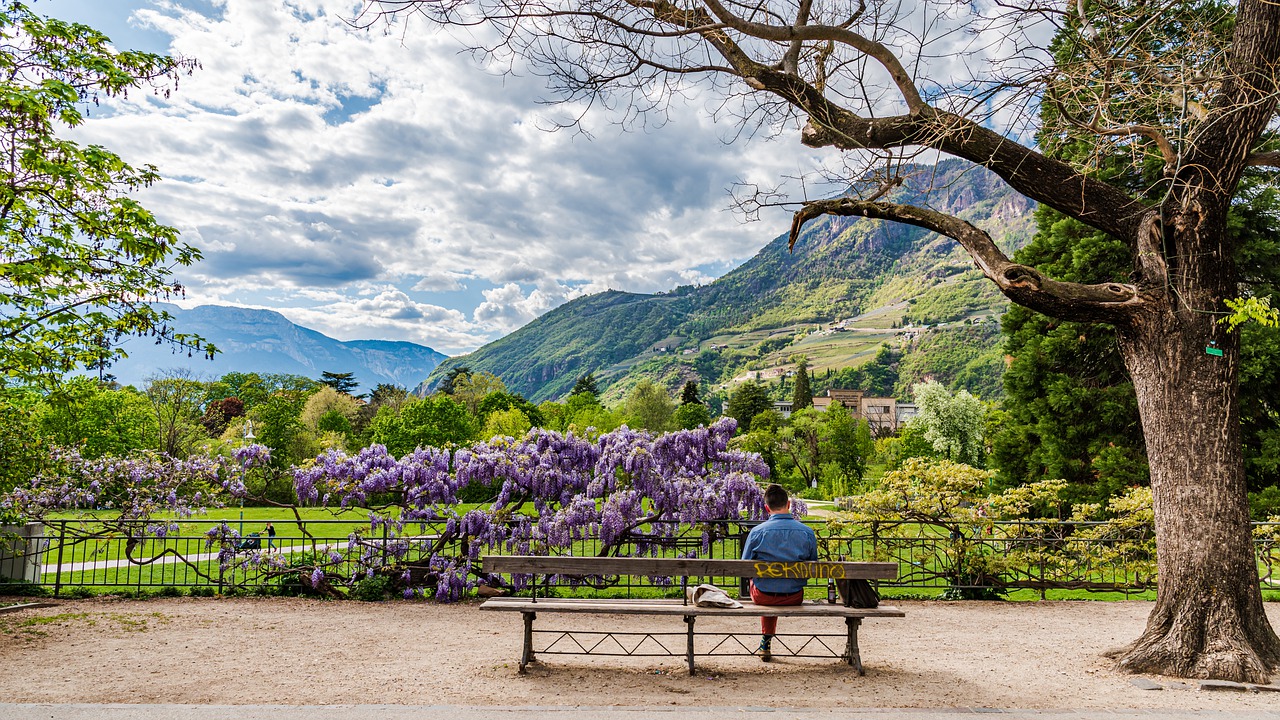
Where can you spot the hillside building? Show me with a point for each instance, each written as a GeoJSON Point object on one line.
{"type": "Point", "coordinates": [885, 415]}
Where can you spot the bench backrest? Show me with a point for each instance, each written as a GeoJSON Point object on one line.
{"type": "Point", "coordinates": [687, 567]}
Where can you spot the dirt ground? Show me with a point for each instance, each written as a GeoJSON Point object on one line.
{"type": "Point", "coordinates": [295, 651]}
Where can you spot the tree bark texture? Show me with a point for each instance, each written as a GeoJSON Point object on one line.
{"type": "Point", "coordinates": [1209, 620]}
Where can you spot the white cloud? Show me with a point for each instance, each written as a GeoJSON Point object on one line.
{"type": "Point", "coordinates": [508, 307]}
{"type": "Point", "coordinates": [439, 281]}
{"type": "Point", "coordinates": [317, 163]}
{"type": "Point", "coordinates": [390, 315]}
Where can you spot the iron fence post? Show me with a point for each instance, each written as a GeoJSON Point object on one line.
{"type": "Point", "coordinates": [1044, 558]}
{"type": "Point", "coordinates": [62, 543]}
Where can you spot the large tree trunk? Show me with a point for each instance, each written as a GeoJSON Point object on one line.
{"type": "Point", "coordinates": [1208, 620]}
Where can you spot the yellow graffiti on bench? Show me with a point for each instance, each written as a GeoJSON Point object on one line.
{"type": "Point", "coordinates": [804, 570]}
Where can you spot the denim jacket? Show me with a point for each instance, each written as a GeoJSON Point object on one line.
{"type": "Point", "coordinates": [781, 538]}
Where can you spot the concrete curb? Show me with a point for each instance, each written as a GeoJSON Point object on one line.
{"type": "Point", "coordinates": [26, 606]}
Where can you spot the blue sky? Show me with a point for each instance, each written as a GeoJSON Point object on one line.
{"type": "Point", "coordinates": [378, 184]}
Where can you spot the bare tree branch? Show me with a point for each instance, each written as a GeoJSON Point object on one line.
{"type": "Point", "coordinates": [800, 33]}
{"type": "Point", "coordinates": [1108, 302]}
{"type": "Point", "coordinates": [1270, 158]}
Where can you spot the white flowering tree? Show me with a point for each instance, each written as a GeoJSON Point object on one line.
{"type": "Point", "coordinates": [952, 423]}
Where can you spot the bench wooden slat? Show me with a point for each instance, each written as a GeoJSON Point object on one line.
{"type": "Point", "coordinates": [691, 567]}
{"type": "Point", "coordinates": [675, 607]}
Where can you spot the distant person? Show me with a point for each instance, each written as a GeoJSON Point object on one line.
{"type": "Point", "coordinates": [781, 538]}
{"type": "Point", "coordinates": [271, 537]}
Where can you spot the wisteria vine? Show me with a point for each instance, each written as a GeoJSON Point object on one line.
{"type": "Point", "coordinates": [626, 493]}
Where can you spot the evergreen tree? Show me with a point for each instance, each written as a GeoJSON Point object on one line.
{"type": "Point", "coordinates": [342, 382]}
{"type": "Point", "coordinates": [586, 384]}
{"type": "Point", "coordinates": [1072, 412]}
{"type": "Point", "coordinates": [447, 384]}
{"type": "Point", "coordinates": [689, 395]}
{"type": "Point", "coordinates": [802, 396]}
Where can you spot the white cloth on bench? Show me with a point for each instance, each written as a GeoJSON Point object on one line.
{"type": "Point", "coordinates": [710, 596]}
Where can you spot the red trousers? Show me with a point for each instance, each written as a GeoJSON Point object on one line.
{"type": "Point", "coordinates": [769, 625]}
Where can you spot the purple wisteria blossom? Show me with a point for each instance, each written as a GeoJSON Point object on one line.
{"type": "Point", "coordinates": [629, 492]}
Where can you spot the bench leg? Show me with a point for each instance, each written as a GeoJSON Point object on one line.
{"type": "Point", "coordinates": [526, 652]}
{"type": "Point", "coordinates": [851, 654]}
{"type": "Point", "coordinates": [688, 619]}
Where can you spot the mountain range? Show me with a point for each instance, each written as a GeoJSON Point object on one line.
{"type": "Point", "coordinates": [866, 277]}
{"type": "Point", "coordinates": [264, 341]}
{"type": "Point", "coordinates": [849, 286]}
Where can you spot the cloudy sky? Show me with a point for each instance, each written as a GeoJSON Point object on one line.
{"type": "Point", "coordinates": [374, 184]}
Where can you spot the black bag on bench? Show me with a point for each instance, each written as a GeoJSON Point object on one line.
{"type": "Point", "coordinates": [858, 593]}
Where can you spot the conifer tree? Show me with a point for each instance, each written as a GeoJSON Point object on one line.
{"type": "Point", "coordinates": [802, 397]}
{"type": "Point", "coordinates": [689, 394]}
{"type": "Point", "coordinates": [586, 384]}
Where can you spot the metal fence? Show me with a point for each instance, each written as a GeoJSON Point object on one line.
{"type": "Point", "coordinates": [997, 557]}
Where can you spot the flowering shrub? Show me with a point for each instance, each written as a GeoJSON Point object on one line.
{"type": "Point", "coordinates": [630, 490]}
{"type": "Point", "coordinates": [626, 493]}
{"type": "Point", "coordinates": [136, 488]}
{"type": "Point", "coordinates": [982, 540]}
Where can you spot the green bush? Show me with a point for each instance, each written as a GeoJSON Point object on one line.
{"type": "Point", "coordinates": [23, 589]}
{"type": "Point", "coordinates": [371, 589]}
{"type": "Point", "coordinates": [292, 582]}
{"type": "Point", "coordinates": [202, 591]}
{"type": "Point", "coordinates": [169, 591]}
{"type": "Point", "coordinates": [78, 593]}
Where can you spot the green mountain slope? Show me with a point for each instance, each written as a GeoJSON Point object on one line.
{"type": "Point", "coordinates": [870, 274]}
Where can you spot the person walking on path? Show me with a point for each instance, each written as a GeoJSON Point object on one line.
{"type": "Point", "coordinates": [780, 538]}
{"type": "Point", "coordinates": [271, 537]}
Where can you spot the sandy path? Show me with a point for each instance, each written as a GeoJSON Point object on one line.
{"type": "Point", "coordinates": [294, 651]}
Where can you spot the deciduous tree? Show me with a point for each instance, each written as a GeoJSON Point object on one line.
{"type": "Point", "coordinates": [176, 395]}
{"type": "Point", "coordinates": [81, 260]}
{"type": "Point", "coordinates": [470, 389]}
{"type": "Point", "coordinates": [951, 423]}
{"type": "Point", "coordinates": [436, 421]}
{"type": "Point", "coordinates": [1189, 87]}
{"type": "Point", "coordinates": [649, 407]}
{"type": "Point", "coordinates": [100, 420]}
{"type": "Point", "coordinates": [691, 415]}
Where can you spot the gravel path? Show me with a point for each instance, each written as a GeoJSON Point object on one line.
{"type": "Point", "coordinates": [307, 652]}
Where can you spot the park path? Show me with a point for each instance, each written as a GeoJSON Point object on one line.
{"type": "Point", "coordinates": [285, 547]}
{"type": "Point", "coordinates": [169, 559]}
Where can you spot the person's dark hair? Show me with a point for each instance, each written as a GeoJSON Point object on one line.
{"type": "Point", "coordinates": [775, 496]}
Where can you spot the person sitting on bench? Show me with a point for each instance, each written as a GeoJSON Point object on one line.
{"type": "Point", "coordinates": [781, 538]}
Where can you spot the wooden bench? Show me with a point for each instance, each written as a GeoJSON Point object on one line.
{"type": "Point", "coordinates": [646, 644]}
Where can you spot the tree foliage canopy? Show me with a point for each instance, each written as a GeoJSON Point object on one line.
{"type": "Point", "coordinates": [80, 259]}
